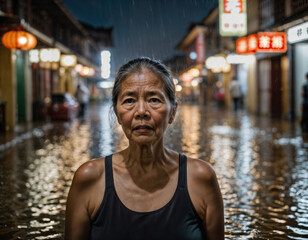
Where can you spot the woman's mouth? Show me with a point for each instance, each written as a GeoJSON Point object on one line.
{"type": "Point", "coordinates": [143, 128]}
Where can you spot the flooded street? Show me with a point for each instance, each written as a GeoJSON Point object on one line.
{"type": "Point", "coordinates": [261, 166]}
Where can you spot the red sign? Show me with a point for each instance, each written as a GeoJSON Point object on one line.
{"type": "Point", "coordinates": [200, 48]}
{"type": "Point", "coordinates": [262, 42]}
{"type": "Point", "coordinates": [272, 42]}
{"type": "Point", "coordinates": [252, 43]}
{"type": "Point", "coordinates": [233, 6]}
{"type": "Point", "coordinates": [241, 45]}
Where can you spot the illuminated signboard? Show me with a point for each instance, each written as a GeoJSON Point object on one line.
{"type": "Point", "coordinates": [272, 42]}
{"type": "Point", "coordinates": [298, 33]}
{"type": "Point", "coordinates": [252, 43]}
{"type": "Point", "coordinates": [200, 48]}
{"type": "Point", "coordinates": [232, 17]}
{"type": "Point", "coordinates": [241, 45]}
{"type": "Point", "coordinates": [262, 42]}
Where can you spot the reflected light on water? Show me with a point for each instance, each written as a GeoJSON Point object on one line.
{"type": "Point", "coordinates": [261, 166]}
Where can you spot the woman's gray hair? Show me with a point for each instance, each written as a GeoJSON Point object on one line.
{"type": "Point", "coordinates": [135, 66]}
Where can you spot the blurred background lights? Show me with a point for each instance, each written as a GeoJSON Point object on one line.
{"type": "Point", "coordinates": [238, 59]}
{"type": "Point", "coordinates": [193, 55]}
{"type": "Point", "coordinates": [22, 40]}
{"type": "Point", "coordinates": [50, 55]}
{"type": "Point", "coordinates": [178, 88]}
{"type": "Point", "coordinates": [194, 83]}
{"type": "Point", "coordinates": [105, 84]}
{"type": "Point", "coordinates": [68, 60]}
{"type": "Point", "coordinates": [194, 72]}
{"type": "Point", "coordinates": [78, 68]}
{"type": "Point", "coordinates": [106, 64]}
{"type": "Point", "coordinates": [34, 56]}
{"type": "Point", "coordinates": [175, 81]}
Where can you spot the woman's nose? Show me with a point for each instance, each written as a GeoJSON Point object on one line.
{"type": "Point", "coordinates": [142, 110]}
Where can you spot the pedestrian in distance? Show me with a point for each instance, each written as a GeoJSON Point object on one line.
{"type": "Point", "coordinates": [236, 92]}
{"type": "Point", "coordinates": [304, 122]}
{"type": "Point", "coordinates": [145, 191]}
{"type": "Point", "coordinates": [82, 96]}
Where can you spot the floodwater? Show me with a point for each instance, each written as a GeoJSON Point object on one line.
{"type": "Point", "coordinates": [261, 164]}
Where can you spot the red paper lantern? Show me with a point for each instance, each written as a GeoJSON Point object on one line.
{"type": "Point", "coordinates": [17, 39]}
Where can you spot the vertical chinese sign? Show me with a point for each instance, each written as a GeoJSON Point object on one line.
{"type": "Point", "coordinates": [200, 48]}
{"type": "Point", "coordinates": [232, 17]}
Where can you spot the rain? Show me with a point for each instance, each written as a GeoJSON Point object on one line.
{"type": "Point", "coordinates": [259, 149]}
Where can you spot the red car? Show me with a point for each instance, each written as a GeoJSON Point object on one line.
{"type": "Point", "coordinates": [62, 106]}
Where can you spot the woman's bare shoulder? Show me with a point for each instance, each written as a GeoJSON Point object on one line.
{"type": "Point", "coordinates": [90, 171]}
{"type": "Point", "coordinates": [200, 170]}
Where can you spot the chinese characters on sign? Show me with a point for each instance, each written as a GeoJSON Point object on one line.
{"type": "Point", "coordinates": [232, 17]}
{"type": "Point", "coordinates": [298, 33]}
{"type": "Point", "coordinates": [262, 42]}
{"type": "Point", "coordinates": [272, 42]}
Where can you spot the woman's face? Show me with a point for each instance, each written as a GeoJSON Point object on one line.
{"type": "Point", "coordinates": [143, 108]}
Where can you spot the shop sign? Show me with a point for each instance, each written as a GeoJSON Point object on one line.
{"type": "Point", "coordinates": [262, 42]}
{"type": "Point", "coordinates": [232, 17]}
{"type": "Point", "coordinates": [200, 48]}
{"type": "Point", "coordinates": [241, 45]}
{"type": "Point", "coordinates": [50, 55]}
{"type": "Point", "coordinates": [298, 33]}
{"type": "Point", "coordinates": [252, 43]}
{"type": "Point", "coordinates": [68, 60]}
{"type": "Point", "coordinates": [217, 64]}
{"type": "Point", "coordinates": [272, 42]}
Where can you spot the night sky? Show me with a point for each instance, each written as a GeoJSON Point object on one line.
{"type": "Point", "coordinates": [142, 27]}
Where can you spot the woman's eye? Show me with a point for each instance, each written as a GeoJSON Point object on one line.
{"type": "Point", "coordinates": [154, 100]}
{"type": "Point", "coordinates": [129, 100]}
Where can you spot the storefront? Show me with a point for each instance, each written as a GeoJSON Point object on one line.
{"type": "Point", "coordinates": [298, 44]}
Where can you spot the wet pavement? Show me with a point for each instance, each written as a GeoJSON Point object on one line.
{"type": "Point", "coordinates": [261, 164]}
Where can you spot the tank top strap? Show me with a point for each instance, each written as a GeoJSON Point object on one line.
{"type": "Point", "coordinates": [108, 172]}
{"type": "Point", "coordinates": [182, 171]}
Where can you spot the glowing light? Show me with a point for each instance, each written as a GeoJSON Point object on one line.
{"type": "Point", "coordinates": [106, 64]}
{"type": "Point", "coordinates": [193, 55]}
{"type": "Point", "coordinates": [175, 81]}
{"type": "Point", "coordinates": [68, 60]}
{"type": "Point", "coordinates": [50, 55]}
{"type": "Point", "coordinates": [218, 64]}
{"type": "Point", "coordinates": [194, 83]}
{"type": "Point", "coordinates": [34, 56]}
{"type": "Point", "coordinates": [238, 59]}
{"type": "Point", "coordinates": [22, 40]}
{"type": "Point", "coordinates": [194, 72]}
{"type": "Point", "coordinates": [178, 88]}
{"type": "Point", "coordinates": [186, 77]}
{"type": "Point", "coordinates": [78, 68]}
{"type": "Point", "coordinates": [19, 40]}
{"type": "Point", "coordinates": [105, 84]}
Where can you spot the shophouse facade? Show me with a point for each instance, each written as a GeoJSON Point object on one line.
{"type": "Point", "coordinates": [271, 81]}
{"type": "Point", "coordinates": [26, 81]}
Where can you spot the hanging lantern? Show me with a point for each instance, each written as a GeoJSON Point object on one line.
{"type": "Point", "coordinates": [17, 39]}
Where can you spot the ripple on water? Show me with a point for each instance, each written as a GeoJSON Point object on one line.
{"type": "Point", "coordinates": [261, 171]}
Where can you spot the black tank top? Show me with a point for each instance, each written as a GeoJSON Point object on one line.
{"type": "Point", "coordinates": [178, 219]}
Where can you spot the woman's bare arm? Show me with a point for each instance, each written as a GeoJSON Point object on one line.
{"type": "Point", "coordinates": [81, 201]}
{"type": "Point", "coordinates": [206, 196]}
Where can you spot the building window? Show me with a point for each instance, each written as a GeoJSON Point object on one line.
{"type": "Point", "coordinates": [266, 11]}
{"type": "Point", "coordinates": [299, 5]}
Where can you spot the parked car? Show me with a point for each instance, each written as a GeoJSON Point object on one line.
{"type": "Point", "coordinates": [62, 106]}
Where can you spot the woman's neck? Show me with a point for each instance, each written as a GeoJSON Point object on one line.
{"type": "Point", "coordinates": [146, 156]}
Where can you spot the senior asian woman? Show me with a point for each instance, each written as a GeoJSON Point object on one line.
{"type": "Point", "coordinates": [145, 191]}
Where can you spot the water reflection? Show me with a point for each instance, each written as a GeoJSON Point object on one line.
{"type": "Point", "coordinates": [261, 166]}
